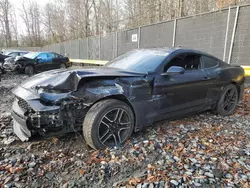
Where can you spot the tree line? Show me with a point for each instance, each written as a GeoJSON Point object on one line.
{"type": "Point", "coordinates": [61, 20]}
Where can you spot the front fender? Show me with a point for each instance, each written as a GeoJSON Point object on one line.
{"type": "Point", "coordinates": [23, 64]}
{"type": "Point", "coordinates": [93, 91]}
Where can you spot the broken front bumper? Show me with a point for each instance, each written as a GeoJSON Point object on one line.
{"type": "Point", "coordinates": [20, 122]}
{"type": "Point", "coordinates": [27, 122]}
{"type": "Point", "coordinates": [30, 115]}
{"type": "Point", "coordinates": [10, 67]}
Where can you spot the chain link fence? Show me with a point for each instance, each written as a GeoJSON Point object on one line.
{"type": "Point", "coordinates": [108, 43]}
{"type": "Point", "coordinates": [223, 33]}
{"type": "Point", "coordinates": [241, 46]}
{"type": "Point", "coordinates": [124, 40]}
{"type": "Point", "coordinates": [157, 35]}
{"type": "Point", "coordinates": [206, 32]}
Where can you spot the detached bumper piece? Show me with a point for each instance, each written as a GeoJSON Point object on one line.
{"type": "Point", "coordinates": [20, 122]}
{"type": "Point", "coordinates": [21, 131]}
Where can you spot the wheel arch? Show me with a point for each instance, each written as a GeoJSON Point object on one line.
{"type": "Point", "coordinates": [232, 75]}
{"type": "Point", "coordinates": [114, 90]}
{"type": "Point", "coordinates": [29, 64]}
{"type": "Point", "coordinates": [122, 98]}
{"type": "Point", "coordinates": [238, 86]}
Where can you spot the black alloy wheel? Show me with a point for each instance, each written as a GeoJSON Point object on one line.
{"type": "Point", "coordinates": [114, 127]}
{"type": "Point", "coordinates": [228, 100]}
{"type": "Point", "coordinates": [63, 66]}
{"type": "Point", "coordinates": [29, 70]}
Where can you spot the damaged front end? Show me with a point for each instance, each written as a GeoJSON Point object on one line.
{"type": "Point", "coordinates": [56, 102]}
{"type": "Point", "coordinates": [46, 113]}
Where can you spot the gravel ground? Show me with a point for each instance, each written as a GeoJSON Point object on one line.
{"type": "Point", "coordinates": [204, 150]}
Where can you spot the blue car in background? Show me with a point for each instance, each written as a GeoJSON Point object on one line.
{"type": "Point", "coordinates": [35, 62]}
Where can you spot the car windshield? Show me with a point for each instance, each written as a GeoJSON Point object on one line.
{"type": "Point", "coordinates": [6, 53]}
{"type": "Point", "coordinates": [12, 54]}
{"type": "Point", "coordinates": [31, 55]}
{"type": "Point", "coordinates": [23, 53]}
{"type": "Point", "coordinates": [143, 61]}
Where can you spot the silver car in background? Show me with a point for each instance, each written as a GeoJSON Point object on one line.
{"type": "Point", "coordinates": [9, 62]}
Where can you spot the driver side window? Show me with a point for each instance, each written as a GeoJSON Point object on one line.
{"type": "Point", "coordinates": [51, 55]}
{"type": "Point", "coordinates": [187, 61]}
{"type": "Point", "coordinates": [42, 56]}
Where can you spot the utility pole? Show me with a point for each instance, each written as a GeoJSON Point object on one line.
{"type": "Point", "coordinates": [117, 24]}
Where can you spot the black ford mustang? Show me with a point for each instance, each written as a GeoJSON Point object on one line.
{"type": "Point", "coordinates": [132, 91]}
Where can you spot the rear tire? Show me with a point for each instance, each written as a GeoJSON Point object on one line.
{"type": "Point", "coordinates": [228, 100]}
{"type": "Point", "coordinates": [108, 123]}
{"type": "Point", "coordinates": [63, 66]}
{"type": "Point", "coordinates": [29, 70]}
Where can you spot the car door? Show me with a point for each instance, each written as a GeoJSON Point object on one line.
{"type": "Point", "coordinates": [56, 61]}
{"type": "Point", "coordinates": [182, 92]}
{"type": "Point", "coordinates": [43, 62]}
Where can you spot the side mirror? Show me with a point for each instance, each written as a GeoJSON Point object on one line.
{"type": "Point", "coordinates": [38, 59]}
{"type": "Point", "coordinates": [174, 70]}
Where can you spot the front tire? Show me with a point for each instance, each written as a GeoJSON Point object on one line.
{"type": "Point", "coordinates": [228, 100]}
{"type": "Point", "coordinates": [1, 67]}
{"type": "Point", "coordinates": [29, 70]}
{"type": "Point", "coordinates": [108, 123]}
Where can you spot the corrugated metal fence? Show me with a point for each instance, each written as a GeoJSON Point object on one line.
{"type": "Point", "coordinates": [224, 33]}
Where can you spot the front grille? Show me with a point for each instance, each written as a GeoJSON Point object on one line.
{"type": "Point", "coordinates": [23, 104]}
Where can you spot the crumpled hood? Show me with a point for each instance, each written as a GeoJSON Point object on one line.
{"type": "Point", "coordinates": [68, 79]}
{"type": "Point", "coordinates": [22, 58]}
{"type": "Point", "coordinates": [9, 60]}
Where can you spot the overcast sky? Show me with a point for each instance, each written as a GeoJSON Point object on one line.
{"type": "Point", "coordinates": [18, 2]}
{"type": "Point", "coordinates": [17, 5]}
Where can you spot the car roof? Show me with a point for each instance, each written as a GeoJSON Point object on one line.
{"type": "Point", "coordinates": [163, 49]}
{"type": "Point", "coordinates": [179, 50]}
{"type": "Point", "coordinates": [41, 52]}
{"type": "Point", "coordinates": [47, 52]}
{"type": "Point", "coordinates": [172, 49]}
{"type": "Point", "coordinates": [10, 51]}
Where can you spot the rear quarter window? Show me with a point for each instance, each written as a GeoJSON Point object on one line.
{"type": "Point", "coordinates": [58, 55]}
{"type": "Point", "coordinates": [209, 62]}
{"type": "Point", "coordinates": [51, 55]}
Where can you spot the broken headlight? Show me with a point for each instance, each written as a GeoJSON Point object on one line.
{"type": "Point", "coordinates": [40, 90]}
